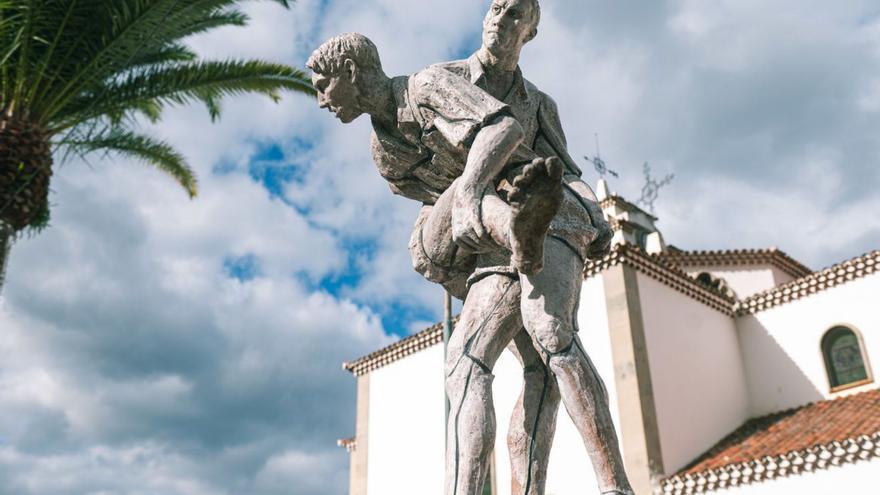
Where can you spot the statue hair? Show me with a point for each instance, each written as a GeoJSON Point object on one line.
{"type": "Point", "coordinates": [328, 59]}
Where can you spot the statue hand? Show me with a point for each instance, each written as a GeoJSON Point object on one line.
{"type": "Point", "coordinates": [467, 226]}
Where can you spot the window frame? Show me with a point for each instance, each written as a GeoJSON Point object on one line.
{"type": "Point", "coordinates": [827, 363]}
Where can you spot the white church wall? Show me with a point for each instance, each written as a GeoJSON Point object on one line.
{"type": "Point", "coordinates": [746, 280]}
{"type": "Point", "coordinates": [862, 478]}
{"type": "Point", "coordinates": [505, 391]}
{"type": "Point", "coordinates": [596, 337]}
{"type": "Point", "coordinates": [699, 383]}
{"type": "Point", "coordinates": [780, 277]}
{"type": "Point", "coordinates": [782, 345]}
{"type": "Point", "coordinates": [406, 431]}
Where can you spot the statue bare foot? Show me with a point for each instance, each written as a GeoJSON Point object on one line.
{"type": "Point", "coordinates": [535, 198]}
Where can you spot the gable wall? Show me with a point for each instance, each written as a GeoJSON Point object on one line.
{"type": "Point", "coordinates": [406, 416]}
{"type": "Point", "coordinates": [697, 372]}
{"type": "Point", "coordinates": [746, 280]}
{"type": "Point", "coordinates": [781, 345]}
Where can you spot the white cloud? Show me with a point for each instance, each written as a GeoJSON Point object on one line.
{"type": "Point", "coordinates": [297, 472]}
{"type": "Point", "coordinates": [132, 362]}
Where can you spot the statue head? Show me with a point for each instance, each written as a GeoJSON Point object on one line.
{"type": "Point", "coordinates": [341, 68]}
{"type": "Point", "coordinates": [509, 25]}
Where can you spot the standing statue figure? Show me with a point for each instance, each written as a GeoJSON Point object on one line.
{"type": "Point", "coordinates": [507, 225]}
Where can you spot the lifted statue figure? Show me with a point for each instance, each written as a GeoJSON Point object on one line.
{"type": "Point", "coordinates": [507, 225]}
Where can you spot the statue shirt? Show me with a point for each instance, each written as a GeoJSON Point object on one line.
{"type": "Point", "coordinates": [438, 116]}
{"type": "Point", "coordinates": [441, 109]}
{"type": "Point", "coordinates": [575, 223]}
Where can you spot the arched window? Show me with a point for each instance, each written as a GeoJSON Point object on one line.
{"type": "Point", "coordinates": [844, 358]}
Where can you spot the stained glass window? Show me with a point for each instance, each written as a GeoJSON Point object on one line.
{"type": "Point", "coordinates": [843, 357]}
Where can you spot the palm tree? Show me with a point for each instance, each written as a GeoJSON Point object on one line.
{"type": "Point", "coordinates": [76, 77]}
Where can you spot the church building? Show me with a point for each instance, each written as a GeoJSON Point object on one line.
{"type": "Point", "coordinates": [740, 372]}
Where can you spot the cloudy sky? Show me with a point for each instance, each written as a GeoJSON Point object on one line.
{"type": "Point", "coordinates": [154, 345]}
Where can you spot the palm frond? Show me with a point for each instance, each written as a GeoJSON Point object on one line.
{"type": "Point", "coordinates": [204, 82]}
{"type": "Point", "coordinates": [215, 20]}
{"type": "Point", "coordinates": [135, 27]}
{"type": "Point", "coordinates": [87, 71]}
{"type": "Point", "coordinates": [40, 70]}
{"type": "Point", "coordinates": [129, 27]}
{"type": "Point", "coordinates": [145, 148]}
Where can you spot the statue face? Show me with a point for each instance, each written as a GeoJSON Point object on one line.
{"type": "Point", "coordinates": [339, 94]}
{"type": "Point", "coordinates": [508, 26]}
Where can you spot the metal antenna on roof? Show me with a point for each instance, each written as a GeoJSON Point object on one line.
{"type": "Point", "coordinates": [599, 163]}
{"type": "Point", "coordinates": [651, 189]}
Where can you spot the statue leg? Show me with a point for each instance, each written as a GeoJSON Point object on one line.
{"type": "Point", "coordinates": [533, 423]}
{"type": "Point", "coordinates": [549, 309]}
{"type": "Point", "coordinates": [438, 258]}
{"type": "Point", "coordinates": [517, 225]}
{"type": "Point", "coordinates": [434, 254]}
{"type": "Point", "coordinates": [489, 319]}
{"type": "Point", "coordinates": [437, 226]}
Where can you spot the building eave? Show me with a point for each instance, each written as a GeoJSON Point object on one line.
{"type": "Point", "coordinates": [738, 257]}
{"type": "Point", "coordinates": [662, 269]}
{"type": "Point", "coordinates": [813, 437]}
{"type": "Point", "coordinates": [816, 458]}
{"type": "Point", "coordinates": [623, 204]}
{"type": "Point", "coordinates": [663, 272]}
{"type": "Point", "coordinates": [405, 347]}
{"type": "Point", "coordinates": [834, 276]}
{"type": "Point", "coordinates": [349, 444]}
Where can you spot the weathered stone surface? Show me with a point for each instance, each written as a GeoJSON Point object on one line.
{"type": "Point", "coordinates": [506, 225]}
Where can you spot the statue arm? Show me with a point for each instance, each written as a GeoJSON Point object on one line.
{"type": "Point", "coordinates": [553, 136]}
{"type": "Point", "coordinates": [490, 152]}
{"type": "Point", "coordinates": [479, 125]}
{"type": "Point", "coordinates": [551, 142]}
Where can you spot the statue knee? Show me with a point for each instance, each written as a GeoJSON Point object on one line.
{"type": "Point", "coordinates": [554, 336]}
{"type": "Point", "coordinates": [421, 261]}
{"type": "Point", "coordinates": [467, 372]}
{"type": "Point", "coordinates": [442, 268]}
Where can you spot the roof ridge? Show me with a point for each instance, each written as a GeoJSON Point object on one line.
{"type": "Point", "coordinates": [816, 402]}
{"type": "Point", "coordinates": [751, 466]}
{"type": "Point", "coordinates": [838, 274]}
{"type": "Point", "coordinates": [397, 350]}
{"type": "Point", "coordinates": [658, 267]}
{"type": "Point", "coordinates": [821, 456]}
{"type": "Point", "coordinates": [664, 272]}
{"type": "Point", "coordinates": [740, 256]}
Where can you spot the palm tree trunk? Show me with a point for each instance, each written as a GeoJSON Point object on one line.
{"type": "Point", "coordinates": [6, 236]}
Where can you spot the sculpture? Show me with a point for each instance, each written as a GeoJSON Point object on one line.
{"type": "Point", "coordinates": [507, 225]}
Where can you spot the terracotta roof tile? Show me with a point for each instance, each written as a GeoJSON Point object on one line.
{"type": "Point", "coordinates": [776, 436]}
{"type": "Point", "coordinates": [666, 269]}
{"type": "Point", "coordinates": [428, 337]}
{"type": "Point", "coordinates": [735, 257]}
{"type": "Point", "coordinates": [841, 273]}
{"type": "Point", "coordinates": [662, 271]}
